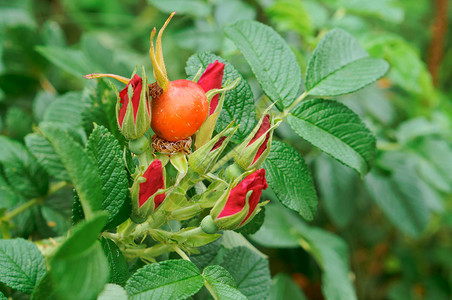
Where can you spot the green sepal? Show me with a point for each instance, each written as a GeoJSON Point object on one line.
{"type": "Point", "coordinates": [205, 132]}
{"type": "Point", "coordinates": [219, 205]}
{"type": "Point", "coordinates": [203, 159]}
{"type": "Point", "coordinates": [179, 161]}
{"type": "Point", "coordinates": [255, 212]}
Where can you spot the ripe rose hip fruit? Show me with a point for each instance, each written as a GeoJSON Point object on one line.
{"type": "Point", "coordinates": [181, 108]}
{"type": "Point", "coordinates": [179, 111]}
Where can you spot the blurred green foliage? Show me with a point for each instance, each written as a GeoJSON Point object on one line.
{"type": "Point", "coordinates": [396, 222]}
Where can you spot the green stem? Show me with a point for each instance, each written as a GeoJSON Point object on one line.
{"type": "Point", "coordinates": [20, 209]}
{"type": "Point", "coordinates": [295, 103]}
{"type": "Point", "coordinates": [192, 232]}
{"type": "Point", "coordinates": [186, 212]}
{"type": "Point", "coordinates": [223, 160]}
{"type": "Point", "coordinates": [181, 253]}
{"type": "Point", "coordinates": [148, 253]}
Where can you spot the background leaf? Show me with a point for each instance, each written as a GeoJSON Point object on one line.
{"type": "Point", "coordinates": [338, 186]}
{"type": "Point", "coordinates": [270, 58]}
{"type": "Point", "coordinates": [400, 198]}
{"type": "Point", "coordinates": [290, 179]}
{"type": "Point", "coordinates": [330, 252]}
{"type": "Point", "coordinates": [238, 103]}
{"type": "Point", "coordinates": [196, 8]}
{"type": "Point", "coordinates": [339, 65]}
{"type": "Point", "coordinates": [283, 287]}
{"type": "Point", "coordinates": [46, 156]}
{"type": "Point", "coordinates": [336, 130]}
{"type": "Point", "coordinates": [22, 264]}
{"type": "Point", "coordinates": [170, 279]}
{"type": "Point", "coordinates": [22, 171]}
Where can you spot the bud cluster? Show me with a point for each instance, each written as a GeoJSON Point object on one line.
{"type": "Point", "coordinates": [228, 196]}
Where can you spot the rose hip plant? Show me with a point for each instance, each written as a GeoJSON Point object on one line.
{"type": "Point", "coordinates": [168, 176]}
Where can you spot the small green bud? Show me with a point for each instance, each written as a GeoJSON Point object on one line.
{"type": "Point", "coordinates": [208, 225]}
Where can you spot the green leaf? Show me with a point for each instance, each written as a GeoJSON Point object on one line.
{"type": "Point", "coordinates": [232, 239]}
{"type": "Point", "coordinates": [250, 271]}
{"type": "Point", "coordinates": [270, 58]}
{"type": "Point", "coordinates": [290, 179]}
{"type": "Point", "coordinates": [22, 171]}
{"type": "Point", "coordinates": [80, 167]}
{"type": "Point", "coordinates": [101, 109]}
{"type": "Point", "coordinates": [283, 287]}
{"type": "Point", "coordinates": [206, 254]}
{"type": "Point", "coordinates": [7, 194]}
{"type": "Point", "coordinates": [46, 156]}
{"type": "Point", "coordinates": [18, 123]}
{"type": "Point", "coordinates": [339, 65]}
{"type": "Point", "coordinates": [387, 10]}
{"type": "Point", "coordinates": [67, 111]}
{"type": "Point", "coordinates": [40, 104]}
{"type": "Point", "coordinates": [105, 151]}
{"type": "Point", "coordinates": [170, 279]}
{"type": "Point", "coordinates": [113, 292]}
{"type": "Point", "coordinates": [79, 268]}
{"type": "Point", "coordinates": [196, 8]}
{"type": "Point", "coordinates": [439, 153]}
{"type": "Point", "coordinates": [238, 103]}
{"type": "Point", "coordinates": [336, 130]}
{"type": "Point", "coordinates": [22, 264]}
{"type": "Point", "coordinates": [221, 284]}
{"type": "Point", "coordinates": [400, 198]}
{"type": "Point", "coordinates": [232, 11]}
{"type": "Point", "coordinates": [338, 186]}
{"type": "Point", "coordinates": [254, 225]}
{"type": "Point", "coordinates": [45, 289]}
{"type": "Point", "coordinates": [72, 61]}
{"type": "Point", "coordinates": [17, 13]}
{"type": "Point", "coordinates": [329, 251]}
{"type": "Point", "coordinates": [119, 272]}
{"type": "Point", "coordinates": [3, 297]}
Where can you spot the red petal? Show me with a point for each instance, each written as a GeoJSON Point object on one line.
{"type": "Point", "coordinates": [154, 181]}
{"type": "Point", "coordinates": [137, 85]}
{"type": "Point", "coordinates": [212, 79]}
{"type": "Point", "coordinates": [237, 197]}
{"type": "Point", "coordinates": [264, 127]}
{"type": "Point", "coordinates": [218, 143]}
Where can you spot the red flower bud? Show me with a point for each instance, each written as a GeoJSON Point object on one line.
{"type": "Point", "coordinates": [212, 79]}
{"type": "Point", "coordinates": [154, 182]}
{"type": "Point", "coordinates": [237, 198]}
{"type": "Point", "coordinates": [137, 85]}
{"type": "Point", "coordinates": [265, 126]}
